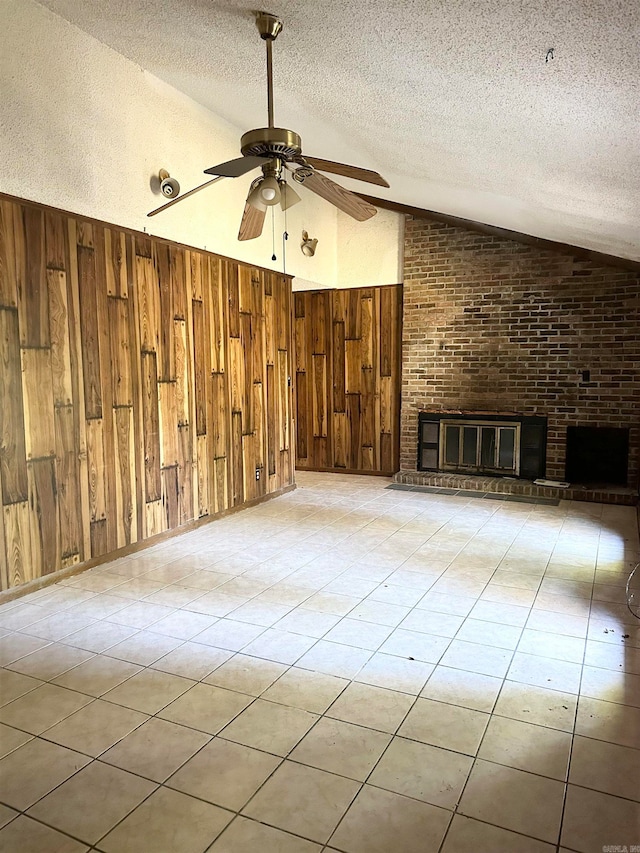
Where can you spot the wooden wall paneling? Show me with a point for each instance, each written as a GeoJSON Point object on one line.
{"type": "Point", "coordinates": [96, 470]}
{"type": "Point", "coordinates": [17, 538]}
{"type": "Point", "coordinates": [68, 487]}
{"type": "Point", "coordinates": [203, 475]}
{"type": "Point", "coordinates": [135, 347]}
{"type": "Point", "coordinates": [148, 304]}
{"type": "Point", "coordinates": [272, 421]}
{"type": "Point", "coordinates": [141, 385]}
{"type": "Point", "coordinates": [126, 515]}
{"type": "Point", "coordinates": [106, 333]}
{"type": "Point", "coordinates": [151, 428]}
{"type": "Point", "coordinates": [89, 336]}
{"type": "Point", "coordinates": [166, 351]}
{"type": "Point", "coordinates": [115, 251]}
{"type": "Point", "coordinates": [302, 408]}
{"type": "Point", "coordinates": [61, 376]}
{"type": "Point", "coordinates": [367, 331]}
{"type": "Point", "coordinates": [120, 365]}
{"type": "Point", "coordinates": [43, 517]}
{"type": "Point", "coordinates": [237, 474]}
{"type": "Point", "coordinates": [354, 442]}
{"type": "Point", "coordinates": [168, 424]}
{"type": "Point", "coordinates": [37, 393]}
{"type": "Point", "coordinates": [186, 468]}
{"type": "Point", "coordinates": [170, 498]}
{"type": "Point", "coordinates": [33, 302]}
{"type": "Point", "coordinates": [341, 440]}
{"type": "Point", "coordinates": [8, 277]}
{"type": "Point", "coordinates": [13, 454]}
{"type": "Point", "coordinates": [339, 366]}
{"type": "Point", "coordinates": [353, 366]}
{"type": "Point", "coordinates": [76, 334]}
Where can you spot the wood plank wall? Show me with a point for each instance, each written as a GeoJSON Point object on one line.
{"type": "Point", "coordinates": [141, 386]}
{"type": "Point", "coordinates": [348, 379]}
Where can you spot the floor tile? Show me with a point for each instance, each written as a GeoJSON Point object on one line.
{"type": "Point", "coordinates": [58, 625]}
{"type": "Point", "coordinates": [608, 721]}
{"type": "Point", "coordinates": [100, 636]}
{"type": "Point", "coordinates": [34, 769]}
{"type": "Point", "coordinates": [381, 821]}
{"type": "Point", "coordinates": [448, 726]}
{"type": "Point", "coordinates": [455, 605]}
{"type": "Point", "coordinates": [192, 660]}
{"type": "Point", "coordinates": [484, 660]}
{"type": "Point", "coordinates": [183, 625]}
{"type": "Point", "coordinates": [228, 634]}
{"type": "Point", "coordinates": [37, 711]}
{"type": "Point", "coordinates": [170, 822]}
{"type": "Point", "coordinates": [206, 708]}
{"type": "Point", "coordinates": [15, 684]}
{"type": "Point", "coordinates": [430, 622]}
{"type": "Point", "coordinates": [149, 691]}
{"type": "Point", "coordinates": [537, 705]}
{"type": "Point", "coordinates": [6, 816]}
{"type": "Point", "coordinates": [280, 646]}
{"type": "Point", "coordinates": [415, 645]}
{"type": "Point", "coordinates": [557, 646]}
{"type": "Point", "coordinates": [29, 836]}
{"type": "Point", "coordinates": [15, 646]}
{"type": "Point", "coordinates": [246, 674]}
{"type": "Point", "coordinates": [49, 662]}
{"type": "Point", "coordinates": [612, 686]}
{"type": "Point", "coordinates": [545, 672]}
{"type": "Point", "coordinates": [269, 726]}
{"type": "Point", "coordinates": [621, 658]}
{"type": "Point", "coordinates": [502, 614]}
{"type": "Point", "coordinates": [11, 739]}
{"type": "Point", "coordinates": [489, 634]}
{"type": "Point", "coordinates": [536, 749]}
{"type": "Point", "coordinates": [143, 648]}
{"type": "Point", "coordinates": [97, 675]}
{"type": "Point", "coordinates": [247, 836]}
{"type": "Point", "coordinates": [515, 800]}
{"type": "Point", "coordinates": [341, 748]}
{"type": "Point", "coordinates": [263, 613]}
{"type": "Point", "coordinates": [373, 707]}
{"type": "Point", "coordinates": [156, 749]}
{"type": "Point", "coordinates": [424, 772]}
{"type": "Point", "coordinates": [334, 659]}
{"type": "Point", "coordinates": [303, 800]}
{"type": "Point", "coordinates": [379, 612]}
{"type": "Point", "coordinates": [96, 727]}
{"type": "Point", "coordinates": [362, 635]}
{"type": "Point", "coordinates": [594, 821]}
{"type": "Point", "coordinates": [310, 691]}
{"type": "Point", "coordinates": [467, 689]}
{"type": "Point", "coordinates": [605, 767]}
{"type": "Point", "coordinates": [395, 673]}
{"type": "Point", "coordinates": [466, 835]}
{"type": "Point", "coordinates": [225, 773]}
{"type": "Point", "coordinates": [92, 802]}
{"type": "Point", "coordinates": [311, 623]}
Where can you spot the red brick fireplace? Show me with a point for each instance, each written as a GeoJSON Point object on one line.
{"type": "Point", "coordinates": [494, 329]}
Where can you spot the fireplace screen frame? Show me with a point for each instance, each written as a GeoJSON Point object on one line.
{"type": "Point", "coordinates": [532, 442]}
{"type": "Point", "coordinates": [478, 465]}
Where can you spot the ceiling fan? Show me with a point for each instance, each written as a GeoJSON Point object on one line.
{"type": "Point", "coordinates": [274, 150]}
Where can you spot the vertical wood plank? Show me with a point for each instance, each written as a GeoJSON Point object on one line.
{"type": "Point", "coordinates": [126, 520]}
{"type": "Point", "coordinates": [38, 403]}
{"type": "Point", "coordinates": [68, 486]}
{"type": "Point", "coordinates": [33, 302]}
{"type": "Point", "coordinates": [13, 454]}
{"type": "Point", "coordinates": [43, 517]}
{"type": "Point", "coordinates": [121, 379]}
{"type": "Point", "coordinates": [60, 348]}
{"type": "Point", "coordinates": [8, 276]}
{"type": "Point", "coordinates": [115, 251]}
{"type": "Point", "coordinates": [151, 428]}
{"type": "Point", "coordinates": [89, 331]}
{"type": "Point", "coordinates": [17, 536]}
{"type": "Point", "coordinates": [96, 470]}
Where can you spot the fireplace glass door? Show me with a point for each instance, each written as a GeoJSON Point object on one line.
{"type": "Point", "coordinates": [478, 446]}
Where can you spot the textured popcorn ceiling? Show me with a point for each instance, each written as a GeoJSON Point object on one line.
{"type": "Point", "coordinates": [452, 101]}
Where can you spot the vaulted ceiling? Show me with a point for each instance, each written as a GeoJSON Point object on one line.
{"type": "Point", "coordinates": [524, 115]}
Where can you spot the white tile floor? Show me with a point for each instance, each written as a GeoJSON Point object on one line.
{"type": "Point", "coordinates": [344, 668]}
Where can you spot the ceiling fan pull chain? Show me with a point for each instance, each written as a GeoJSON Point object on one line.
{"type": "Point", "coordinates": [273, 234]}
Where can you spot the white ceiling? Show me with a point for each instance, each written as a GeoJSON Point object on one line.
{"type": "Point", "coordinates": [451, 100]}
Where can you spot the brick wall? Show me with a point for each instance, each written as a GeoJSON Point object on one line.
{"type": "Point", "coordinates": [494, 325]}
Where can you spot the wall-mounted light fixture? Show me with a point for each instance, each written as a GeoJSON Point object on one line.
{"type": "Point", "coordinates": [308, 245]}
{"type": "Point", "coordinates": [169, 187]}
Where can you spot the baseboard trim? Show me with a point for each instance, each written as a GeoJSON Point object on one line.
{"type": "Point", "coordinates": [347, 471]}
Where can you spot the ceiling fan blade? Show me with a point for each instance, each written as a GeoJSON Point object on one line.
{"type": "Point", "coordinates": [184, 195]}
{"type": "Point", "coordinates": [347, 171]}
{"type": "Point", "coordinates": [235, 168]}
{"type": "Point", "coordinates": [346, 201]}
{"type": "Point", "coordinates": [252, 222]}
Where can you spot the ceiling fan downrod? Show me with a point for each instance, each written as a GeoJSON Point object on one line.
{"type": "Point", "coordinates": [269, 26]}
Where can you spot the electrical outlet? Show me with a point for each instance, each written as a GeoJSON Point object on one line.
{"type": "Point", "coordinates": [257, 473]}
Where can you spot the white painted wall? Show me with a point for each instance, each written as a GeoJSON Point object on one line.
{"type": "Point", "coordinates": [84, 129]}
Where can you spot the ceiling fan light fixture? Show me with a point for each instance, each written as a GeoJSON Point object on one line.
{"type": "Point", "coordinates": [288, 196]}
{"type": "Point", "coordinates": [269, 191]}
{"type": "Point", "coordinates": [255, 198]}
